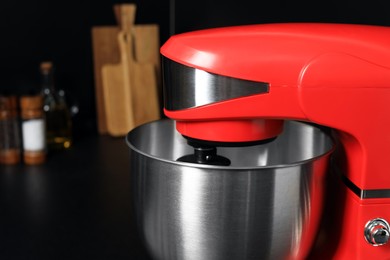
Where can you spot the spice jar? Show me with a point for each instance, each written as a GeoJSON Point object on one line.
{"type": "Point", "coordinates": [33, 129]}
{"type": "Point", "coordinates": [9, 131]}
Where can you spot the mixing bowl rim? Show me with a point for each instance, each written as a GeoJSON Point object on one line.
{"type": "Point", "coordinates": [235, 168]}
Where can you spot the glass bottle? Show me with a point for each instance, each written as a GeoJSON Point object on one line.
{"type": "Point", "coordinates": [33, 129]}
{"type": "Point", "coordinates": [9, 131]}
{"type": "Point", "coordinates": [58, 120]}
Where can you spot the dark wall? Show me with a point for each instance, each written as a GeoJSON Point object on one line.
{"type": "Point", "coordinates": [33, 31]}
{"type": "Point", "coordinates": [202, 14]}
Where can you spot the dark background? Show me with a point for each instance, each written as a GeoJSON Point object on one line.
{"type": "Point", "coordinates": [33, 31]}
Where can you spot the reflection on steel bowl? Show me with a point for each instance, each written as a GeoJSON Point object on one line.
{"type": "Point", "coordinates": [266, 205]}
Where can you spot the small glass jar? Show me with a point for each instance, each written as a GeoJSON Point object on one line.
{"type": "Point", "coordinates": [9, 130]}
{"type": "Point", "coordinates": [33, 129]}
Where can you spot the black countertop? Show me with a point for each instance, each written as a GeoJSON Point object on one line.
{"type": "Point", "coordinates": [75, 206]}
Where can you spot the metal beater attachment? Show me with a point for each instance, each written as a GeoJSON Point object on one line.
{"type": "Point", "coordinates": [204, 154]}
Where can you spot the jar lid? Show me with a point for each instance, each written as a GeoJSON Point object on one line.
{"type": "Point", "coordinates": [8, 102]}
{"type": "Point", "coordinates": [31, 102]}
{"type": "Point", "coordinates": [46, 66]}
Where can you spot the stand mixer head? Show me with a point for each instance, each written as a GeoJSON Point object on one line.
{"type": "Point", "coordinates": [238, 84]}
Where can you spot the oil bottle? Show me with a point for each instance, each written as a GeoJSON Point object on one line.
{"type": "Point", "coordinates": [58, 120]}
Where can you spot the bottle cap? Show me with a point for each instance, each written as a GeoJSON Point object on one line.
{"type": "Point", "coordinates": [31, 102]}
{"type": "Point", "coordinates": [8, 102]}
{"type": "Point", "coordinates": [8, 107]}
{"type": "Point", "coordinates": [46, 65]}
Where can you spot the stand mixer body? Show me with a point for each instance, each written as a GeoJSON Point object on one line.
{"type": "Point", "coordinates": [248, 79]}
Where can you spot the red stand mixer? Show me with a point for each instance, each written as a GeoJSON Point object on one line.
{"type": "Point", "coordinates": [247, 80]}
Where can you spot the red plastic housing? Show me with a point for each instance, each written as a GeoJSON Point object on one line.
{"type": "Point", "coordinates": [336, 75]}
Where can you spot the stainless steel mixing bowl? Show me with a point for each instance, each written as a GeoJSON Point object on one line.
{"type": "Point", "coordinates": [266, 205]}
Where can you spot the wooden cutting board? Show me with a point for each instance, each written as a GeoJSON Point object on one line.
{"type": "Point", "coordinates": [146, 81]}
{"type": "Point", "coordinates": [117, 90]}
{"type": "Point", "coordinates": [130, 86]}
{"type": "Point", "coordinates": [144, 64]}
{"type": "Point", "coordinates": [147, 50]}
{"type": "Point", "coordinates": [105, 51]}
{"type": "Point", "coordinates": [144, 93]}
{"type": "Point", "coordinates": [147, 44]}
